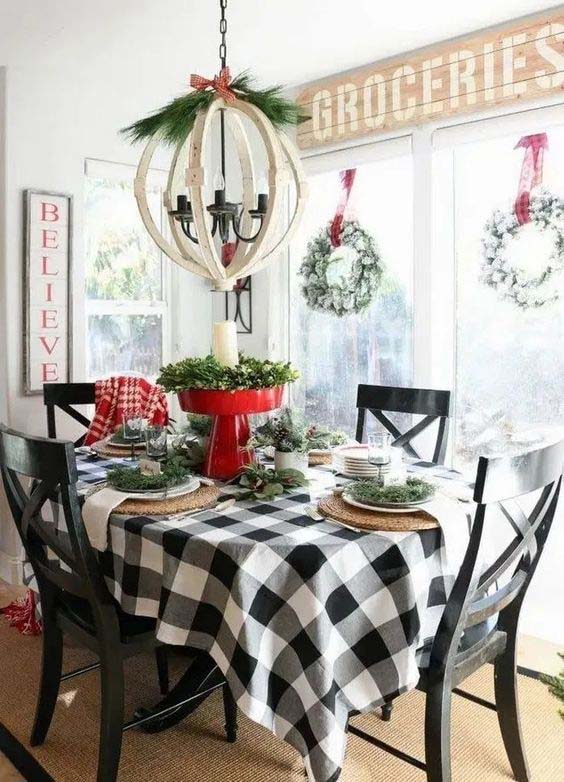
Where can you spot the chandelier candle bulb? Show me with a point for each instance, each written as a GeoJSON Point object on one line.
{"type": "Point", "coordinates": [224, 343]}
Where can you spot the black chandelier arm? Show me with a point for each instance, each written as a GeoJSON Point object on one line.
{"type": "Point", "coordinates": [185, 224]}
{"type": "Point", "coordinates": [248, 239]}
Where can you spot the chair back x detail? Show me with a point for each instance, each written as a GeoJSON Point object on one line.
{"type": "Point", "coordinates": [432, 404]}
{"type": "Point", "coordinates": [64, 396]}
{"type": "Point", "coordinates": [52, 467]}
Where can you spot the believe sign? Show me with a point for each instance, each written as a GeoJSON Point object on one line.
{"type": "Point", "coordinates": [47, 284]}
{"type": "Point", "coordinates": [517, 62]}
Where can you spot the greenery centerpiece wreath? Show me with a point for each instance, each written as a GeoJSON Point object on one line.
{"type": "Point", "coordinates": [342, 267]}
{"type": "Point", "coordinates": [503, 269]}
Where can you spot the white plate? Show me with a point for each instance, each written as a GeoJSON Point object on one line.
{"type": "Point", "coordinates": [352, 451]}
{"type": "Point", "coordinates": [362, 468]}
{"type": "Point", "coordinates": [160, 494]}
{"type": "Point", "coordinates": [411, 508]}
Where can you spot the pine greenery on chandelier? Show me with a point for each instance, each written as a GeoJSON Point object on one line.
{"type": "Point", "coordinates": [226, 238]}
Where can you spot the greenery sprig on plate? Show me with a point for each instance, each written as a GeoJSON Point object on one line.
{"type": "Point", "coordinates": [174, 121]}
{"type": "Point", "coordinates": [173, 473]}
{"type": "Point", "coordinates": [208, 373]}
{"type": "Point", "coordinates": [372, 493]}
{"type": "Point", "coordinates": [262, 483]}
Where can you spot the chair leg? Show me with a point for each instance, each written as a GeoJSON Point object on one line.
{"type": "Point", "coordinates": [387, 712]}
{"type": "Point", "coordinates": [51, 667]}
{"type": "Point", "coordinates": [230, 708]}
{"type": "Point", "coordinates": [437, 732]}
{"type": "Point", "coordinates": [162, 668]}
{"type": "Point", "coordinates": [507, 702]}
{"type": "Point", "coordinates": [111, 717]}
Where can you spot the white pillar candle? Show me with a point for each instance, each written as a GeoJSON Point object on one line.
{"type": "Point", "coordinates": [224, 343]}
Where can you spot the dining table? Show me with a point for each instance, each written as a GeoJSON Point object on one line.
{"type": "Point", "coordinates": [308, 621]}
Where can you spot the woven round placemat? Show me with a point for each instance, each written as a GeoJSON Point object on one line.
{"type": "Point", "coordinates": [202, 498]}
{"type": "Point", "coordinates": [336, 508]}
{"type": "Point", "coordinates": [316, 459]}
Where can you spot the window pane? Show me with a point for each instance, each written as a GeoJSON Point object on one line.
{"type": "Point", "coordinates": [335, 354]}
{"type": "Point", "coordinates": [510, 364]}
{"type": "Point", "coordinates": [122, 261]}
{"type": "Point", "coordinates": [123, 343]}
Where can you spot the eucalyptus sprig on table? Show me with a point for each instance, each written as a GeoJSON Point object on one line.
{"type": "Point", "coordinates": [173, 473]}
{"type": "Point", "coordinates": [208, 373]}
{"type": "Point", "coordinates": [262, 483]}
{"type": "Point", "coordinates": [372, 493]}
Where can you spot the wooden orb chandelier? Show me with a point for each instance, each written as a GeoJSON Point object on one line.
{"type": "Point", "coordinates": [216, 238]}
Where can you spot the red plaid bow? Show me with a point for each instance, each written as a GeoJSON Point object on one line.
{"type": "Point", "coordinates": [219, 84]}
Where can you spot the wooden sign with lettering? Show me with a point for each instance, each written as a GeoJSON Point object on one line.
{"type": "Point", "coordinates": [516, 62]}
{"type": "Point", "coordinates": [47, 289]}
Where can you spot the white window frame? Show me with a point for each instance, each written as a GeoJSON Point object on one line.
{"type": "Point", "coordinates": [103, 169]}
{"type": "Point", "coordinates": [434, 260]}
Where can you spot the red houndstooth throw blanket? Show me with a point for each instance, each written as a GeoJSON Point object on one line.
{"type": "Point", "coordinates": [119, 398]}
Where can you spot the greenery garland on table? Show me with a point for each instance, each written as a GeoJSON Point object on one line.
{"type": "Point", "coordinates": [345, 294]}
{"type": "Point", "coordinates": [512, 283]}
{"type": "Point", "coordinates": [262, 483]}
{"type": "Point", "coordinates": [174, 121]}
{"type": "Point", "coordinates": [208, 373]}
{"type": "Point", "coordinates": [287, 432]}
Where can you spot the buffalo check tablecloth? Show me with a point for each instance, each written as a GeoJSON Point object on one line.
{"type": "Point", "coordinates": [307, 620]}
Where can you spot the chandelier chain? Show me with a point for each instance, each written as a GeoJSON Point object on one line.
{"type": "Point", "coordinates": [223, 33]}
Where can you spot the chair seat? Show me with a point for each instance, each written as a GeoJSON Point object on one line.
{"type": "Point", "coordinates": [79, 612]}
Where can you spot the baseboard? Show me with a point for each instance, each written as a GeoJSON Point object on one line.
{"type": "Point", "coordinates": [21, 759]}
{"type": "Point", "coordinates": [10, 569]}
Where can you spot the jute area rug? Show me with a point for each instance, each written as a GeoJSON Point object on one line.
{"type": "Point", "coordinates": [196, 749]}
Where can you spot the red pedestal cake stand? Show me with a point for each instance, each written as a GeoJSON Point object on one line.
{"type": "Point", "coordinates": [227, 453]}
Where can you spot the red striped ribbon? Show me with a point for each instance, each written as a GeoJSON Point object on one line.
{"type": "Point", "coordinates": [531, 173]}
{"type": "Point", "coordinates": [347, 180]}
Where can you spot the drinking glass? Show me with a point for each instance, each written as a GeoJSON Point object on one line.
{"type": "Point", "coordinates": [156, 439]}
{"type": "Point", "coordinates": [379, 447]}
{"type": "Point", "coordinates": [133, 426]}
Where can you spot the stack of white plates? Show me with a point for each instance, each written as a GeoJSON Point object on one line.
{"type": "Point", "coordinates": [352, 462]}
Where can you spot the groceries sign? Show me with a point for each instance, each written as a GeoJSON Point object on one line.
{"type": "Point", "coordinates": [521, 61]}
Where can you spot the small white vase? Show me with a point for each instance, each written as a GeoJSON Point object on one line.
{"type": "Point", "coordinates": [292, 460]}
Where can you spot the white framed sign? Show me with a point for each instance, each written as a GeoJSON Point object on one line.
{"type": "Point", "coordinates": [47, 281]}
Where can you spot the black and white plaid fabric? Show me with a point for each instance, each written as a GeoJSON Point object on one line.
{"type": "Point", "coordinates": [307, 620]}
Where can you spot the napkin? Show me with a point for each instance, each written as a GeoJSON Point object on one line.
{"type": "Point", "coordinates": [454, 520]}
{"type": "Point", "coordinates": [96, 512]}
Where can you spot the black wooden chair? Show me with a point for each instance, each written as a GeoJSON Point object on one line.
{"type": "Point", "coordinates": [74, 596]}
{"type": "Point", "coordinates": [65, 396]}
{"type": "Point", "coordinates": [433, 405]}
{"type": "Point", "coordinates": [480, 621]}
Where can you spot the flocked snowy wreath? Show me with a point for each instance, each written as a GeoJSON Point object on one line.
{"type": "Point", "coordinates": [341, 280]}
{"type": "Point", "coordinates": [510, 280]}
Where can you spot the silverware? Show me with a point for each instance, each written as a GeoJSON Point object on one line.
{"type": "Point", "coordinates": [314, 514]}
{"type": "Point", "coordinates": [86, 450]}
{"type": "Point", "coordinates": [220, 506]}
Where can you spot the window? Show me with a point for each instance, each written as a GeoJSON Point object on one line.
{"type": "Point", "coordinates": [336, 354]}
{"type": "Point", "coordinates": [126, 301]}
{"type": "Point", "coordinates": [509, 368]}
